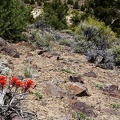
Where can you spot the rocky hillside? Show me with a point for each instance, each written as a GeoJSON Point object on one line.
{"type": "Point", "coordinates": [67, 86]}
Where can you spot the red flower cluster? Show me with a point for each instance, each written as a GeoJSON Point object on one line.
{"type": "Point", "coordinates": [27, 84]}
{"type": "Point", "coordinates": [15, 82]}
{"type": "Point", "coordinates": [3, 81]}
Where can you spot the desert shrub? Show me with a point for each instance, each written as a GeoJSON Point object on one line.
{"type": "Point", "coordinates": [76, 5]}
{"type": "Point", "coordinates": [39, 2]}
{"type": "Point", "coordinates": [4, 69]}
{"type": "Point", "coordinates": [82, 7]}
{"type": "Point", "coordinates": [46, 40]}
{"type": "Point", "coordinates": [102, 8]}
{"type": "Point", "coordinates": [94, 39]}
{"type": "Point", "coordinates": [32, 2]}
{"type": "Point", "coordinates": [28, 72]}
{"type": "Point", "coordinates": [101, 58]}
{"type": "Point", "coordinates": [115, 105]}
{"type": "Point", "coordinates": [116, 52]}
{"type": "Point", "coordinates": [41, 24]}
{"type": "Point", "coordinates": [55, 14]}
{"type": "Point", "coordinates": [65, 42]}
{"type": "Point", "coordinates": [80, 44]}
{"type": "Point", "coordinates": [94, 30]}
{"type": "Point", "coordinates": [29, 1]}
{"type": "Point", "coordinates": [76, 18]}
{"type": "Point", "coordinates": [97, 53]}
{"type": "Point", "coordinates": [70, 2]}
{"type": "Point", "coordinates": [14, 18]}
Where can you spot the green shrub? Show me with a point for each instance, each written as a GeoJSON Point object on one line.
{"type": "Point", "coordinates": [70, 2]}
{"type": "Point", "coordinates": [95, 41]}
{"type": "Point", "coordinates": [39, 2]}
{"type": "Point", "coordinates": [94, 30]}
{"type": "Point", "coordinates": [27, 1]}
{"type": "Point", "coordinates": [32, 2]}
{"type": "Point", "coordinates": [14, 18]}
{"type": "Point", "coordinates": [116, 53]}
{"type": "Point", "coordinates": [46, 40]}
{"type": "Point", "coordinates": [105, 10]}
{"type": "Point", "coordinates": [28, 72]}
{"type": "Point", "coordinates": [116, 106]}
{"type": "Point", "coordinates": [38, 95]}
{"type": "Point", "coordinates": [55, 14]}
{"type": "Point", "coordinates": [81, 116]}
{"type": "Point", "coordinates": [76, 18]}
{"type": "Point", "coordinates": [99, 86]}
{"type": "Point", "coordinates": [67, 71]}
{"type": "Point", "coordinates": [65, 42]}
{"type": "Point", "coordinates": [76, 5]}
{"type": "Point", "coordinates": [80, 44]}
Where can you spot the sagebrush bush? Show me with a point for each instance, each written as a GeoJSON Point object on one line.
{"type": "Point", "coordinates": [65, 42]}
{"type": "Point", "coordinates": [14, 18]}
{"type": "Point", "coordinates": [94, 39]}
{"type": "Point", "coordinates": [94, 30]}
{"type": "Point", "coordinates": [101, 58]}
{"type": "Point", "coordinates": [105, 10]}
{"type": "Point", "coordinates": [80, 45]}
{"type": "Point", "coordinates": [116, 53]}
{"type": "Point", "coordinates": [42, 40]}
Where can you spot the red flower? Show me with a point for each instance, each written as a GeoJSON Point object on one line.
{"type": "Point", "coordinates": [3, 80]}
{"type": "Point", "coordinates": [15, 82]}
{"type": "Point", "coordinates": [2, 77]}
{"type": "Point", "coordinates": [19, 83]}
{"type": "Point", "coordinates": [27, 84]}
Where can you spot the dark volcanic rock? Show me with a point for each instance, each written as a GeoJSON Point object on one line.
{"type": "Point", "coordinates": [112, 90]}
{"type": "Point", "coordinates": [9, 50]}
{"type": "Point", "coordinates": [40, 52]}
{"type": "Point", "coordinates": [77, 89]}
{"type": "Point", "coordinates": [76, 79]}
{"type": "Point", "coordinates": [84, 108]}
{"type": "Point", "coordinates": [90, 74]}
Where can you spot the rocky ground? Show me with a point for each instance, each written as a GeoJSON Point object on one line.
{"type": "Point", "coordinates": [71, 88]}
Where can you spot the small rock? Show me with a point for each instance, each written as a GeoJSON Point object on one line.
{"type": "Point", "coordinates": [12, 52]}
{"type": "Point", "coordinates": [109, 111]}
{"type": "Point", "coordinates": [3, 43]}
{"type": "Point", "coordinates": [59, 58]}
{"type": "Point", "coordinates": [52, 90]}
{"type": "Point", "coordinates": [90, 74]}
{"type": "Point", "coordinates": [112, 90]}
{"type": "Point", "coordinates": [84, 108]}
{"type": "Point", "coordinates": [76, 79]}
{"type": "Point", "coordinates": [8, 49]}
{"type": "Point", "coordinates": [40, 52]}
{"type": "Point", "coordinates": [77, 89]}
{"type": "Point", "coordinates": [47, 54]}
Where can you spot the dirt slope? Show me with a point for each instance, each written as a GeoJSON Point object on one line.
{"type": "Point", "coordinates": [51, 72]}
